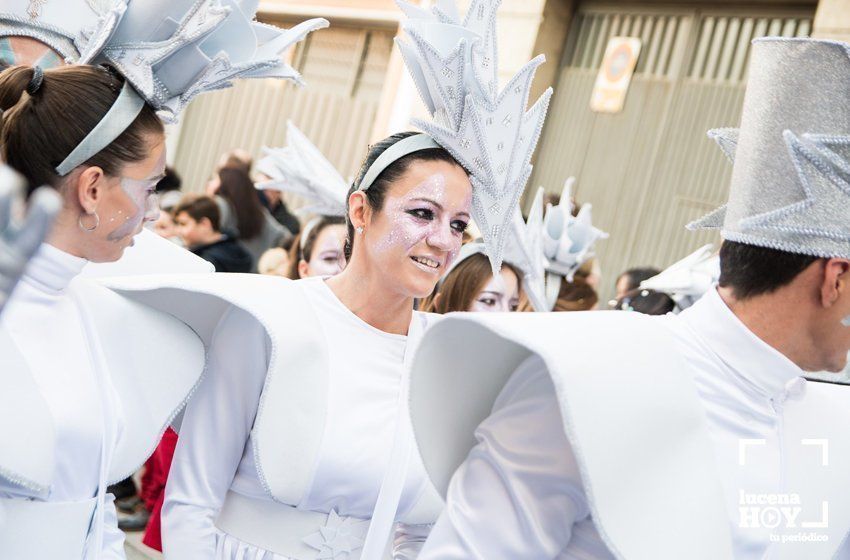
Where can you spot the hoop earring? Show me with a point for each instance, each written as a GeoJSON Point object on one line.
{"type": "Point", "coordinates": [89, 229]}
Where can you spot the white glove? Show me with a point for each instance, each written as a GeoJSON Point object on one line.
{"type": "Point", "coordinates": [19, 241]}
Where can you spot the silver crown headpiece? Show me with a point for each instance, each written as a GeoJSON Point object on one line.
{"type": "Point", "coordinates": [453, 63]}
{"type": "Point", "coordinates": [300, 168]}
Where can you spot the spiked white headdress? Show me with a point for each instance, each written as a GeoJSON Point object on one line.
{"type": "Point", "coordinates": [567, 241]}
{"type": "Point", "coordinates": [525, 249]}
{"type": "Point", "coordinates": [689, 279]}
{"type": "Point", "coordinates": [300, 168]}
{"type": "Point", "coordinates": [168, 51]}
{"type": "Point", "coordinates": [73, 28]}
{"type": "Point", "coordinates": [552, 248]}
{"type": "Point", "coordinates": [453, 63]}
{"type": "Point", "coordinates": [791, 156]}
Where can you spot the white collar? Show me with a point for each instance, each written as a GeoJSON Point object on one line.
{"type": "Point", "coordinates": [52, 269]}
{"type": "Point", "coordinates": [760, 365]}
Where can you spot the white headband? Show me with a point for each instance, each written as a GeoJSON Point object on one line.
{"type": "Point", "coordinates": [394, 153]}
{"type": "Point", "coordinates": [120, 116]}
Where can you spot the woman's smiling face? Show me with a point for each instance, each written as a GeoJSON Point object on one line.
{"type": "Point", "coordinates": [417, 234]}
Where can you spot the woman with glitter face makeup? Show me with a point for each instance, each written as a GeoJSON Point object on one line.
{"type": "Point", "coordinates": [319, 249]}
{"type": "Point", "coordinates": [285, 445]}
{"type": "Point", "coordinates": [64, 340]}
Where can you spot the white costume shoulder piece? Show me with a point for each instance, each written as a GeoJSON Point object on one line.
{"type": "Point", "coordinates": [151, 388]}
{"type": "Point", "coordinates": [292, 412]}
{"type": "Point", "coordinates": [644, 413]}
{"type": "Point", "coordinates": [85, 402]}
{"type": "Point", "coordinates": [612, 417]}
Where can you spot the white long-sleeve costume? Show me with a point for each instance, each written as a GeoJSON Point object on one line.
{"type": "Point", "coordinates": [538, 483]}
{"type": "Point", "coordinates": [80, 407]}
{"type": "Point", "coordinates": [284, 447]}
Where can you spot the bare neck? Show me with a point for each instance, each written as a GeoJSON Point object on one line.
{"type": "Point", "coordinates": [368, 296]}
{"type": "Point", "coordinates": [66, 234]}
{"type": "Point", "coordinates": [778, 318]}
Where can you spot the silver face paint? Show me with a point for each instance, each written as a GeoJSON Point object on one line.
{"type": "Point", "coordinates": [142, 192]}
{"type": "Point", "coordinates": [421, 215]}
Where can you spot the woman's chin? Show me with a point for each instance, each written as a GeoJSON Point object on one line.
{"type": "Point", "coordinates": [420, 288]}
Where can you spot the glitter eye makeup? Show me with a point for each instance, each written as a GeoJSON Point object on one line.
{"type": "Point", "coordinates": [422, 215]}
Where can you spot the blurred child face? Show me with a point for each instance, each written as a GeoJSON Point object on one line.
{"type": "Point", "coordinates": [165, 226]}
{"type": "Point", "coordinates": [191, 231]}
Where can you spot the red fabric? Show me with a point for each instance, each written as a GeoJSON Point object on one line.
{"type": "Point", "coordinates": [153, 487]}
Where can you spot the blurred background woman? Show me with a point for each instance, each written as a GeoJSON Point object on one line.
{"type": "Point", "coordinates": [471, 286]}
{"type": "Point", "coordinates": [258, 231]}
{"type": "Point", "coordinates": [319, 249]}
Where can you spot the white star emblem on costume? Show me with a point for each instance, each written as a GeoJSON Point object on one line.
{"type": "Point", "coordinates": [338, 538]}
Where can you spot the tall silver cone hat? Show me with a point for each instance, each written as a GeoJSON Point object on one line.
{"type": "Point", "coordinates": [790, 187]}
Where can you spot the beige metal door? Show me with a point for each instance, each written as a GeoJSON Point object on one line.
{"type": "Point", "coordinates": [344, 68]}
{"type": "Point", "coordinates": [651, 169]}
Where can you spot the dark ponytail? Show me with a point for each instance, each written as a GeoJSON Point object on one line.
{"type": "Point", "coordinates": [376, 193]}
{"type": "Point", "coordinates": [40, 129]}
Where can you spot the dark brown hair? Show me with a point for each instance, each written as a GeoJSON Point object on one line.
{"type": "Point", "coordinates": [41, 129]}
{"type": "Point", "coordinates": [376, 193]}
{"type": "Point", "coordinates": [464, 282]}
{"type": "Point", "coordinates": [297, 254]}
{"type": "Point", "coordinates": [753, 271]}
{"type": "Point", "coordinates": [199, 207]}
{"type": "Point", "coordinates": [238, 189]}
{"type": "Point", "coordinates": [648, 302]}
{"type": "Point", "coordinates": [238, 158]}
{"type": "Point", "coordinates": [577, 295]}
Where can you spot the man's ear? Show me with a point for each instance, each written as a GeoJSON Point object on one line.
{"type": "Point", "coordinates": [835, 281]}
{"type": "Point", "coordinates": [88, 188]}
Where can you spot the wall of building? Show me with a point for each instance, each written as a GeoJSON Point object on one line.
{"type": "Point", "coordinates": [832, 20]}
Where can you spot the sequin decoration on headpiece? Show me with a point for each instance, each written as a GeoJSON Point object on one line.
{"type": "Point", "coordinates": [73, 28]}
{"type": "Point", "coordinates": [687, 280]}
{"type": "Point", "coordinates": [300, 168]}
{"type": "Point", "coordinates": [790, 187]}
{"type": "Point", "coordinates": [170, 51]}
{"type": "Point", "coordinates": [453, 63]}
